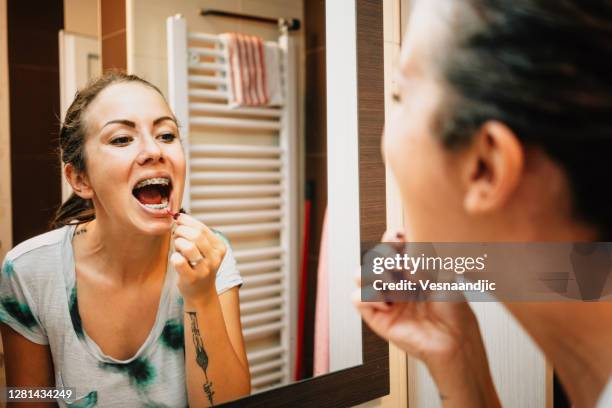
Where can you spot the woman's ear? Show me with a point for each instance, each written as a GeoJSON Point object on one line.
{"type": "Point", "coordinates": [78, 181]}
{"type": "Point", "coordinates": [495, 167]}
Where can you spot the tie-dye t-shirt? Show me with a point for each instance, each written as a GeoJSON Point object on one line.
{"type": "Point", "coordinates": [38, 300]}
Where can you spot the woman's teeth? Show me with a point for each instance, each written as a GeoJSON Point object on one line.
{"type": "Point", "coordinates": [161, 181]}
{"type": "Point", "coordinates": [162, 206]}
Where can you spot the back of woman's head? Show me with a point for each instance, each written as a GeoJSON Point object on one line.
{"type": "Point", "coordinates": [543, 68]}
{"type": "Point", "coordinates": [72, 139]}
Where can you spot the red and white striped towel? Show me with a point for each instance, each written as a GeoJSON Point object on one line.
{"type": "Point", "coordinates": [253, 70]}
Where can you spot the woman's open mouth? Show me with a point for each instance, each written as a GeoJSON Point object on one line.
{"type": "Point", "coordinates": [153, 193]}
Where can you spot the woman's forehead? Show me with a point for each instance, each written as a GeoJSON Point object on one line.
{"type": "Point", "coordinates": [127, 100]}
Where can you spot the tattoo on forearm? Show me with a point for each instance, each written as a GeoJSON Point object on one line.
{"type": "Point", "coordinates": [201, 356]}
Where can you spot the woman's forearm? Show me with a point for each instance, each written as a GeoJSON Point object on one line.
{"type": "Point", "coordinates": [464, 378]}
{"type": "Point", "coordinates": [214, 373]}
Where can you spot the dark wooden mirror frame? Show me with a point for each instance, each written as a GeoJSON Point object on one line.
{"type": "Point", "coordinates": [370, 380]}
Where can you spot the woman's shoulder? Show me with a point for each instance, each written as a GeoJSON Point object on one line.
{"type": "Point", "coordinates": [41, 250]}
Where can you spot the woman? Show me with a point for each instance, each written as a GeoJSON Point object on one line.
{"type": "Point", "coordinates": [125, 302]}
{"type": "Point", "coordinates": [501, 130]}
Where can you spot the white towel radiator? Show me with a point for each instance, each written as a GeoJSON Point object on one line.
{"type": "Point", "coordinates": [246, 190]}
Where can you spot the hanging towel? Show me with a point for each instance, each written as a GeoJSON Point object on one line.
{"type": "Point", "coordinates": [253, 70]}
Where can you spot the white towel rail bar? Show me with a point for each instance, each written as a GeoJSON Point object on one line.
{"type": "Point", "coordinates": [239, 150]}
{"type": "Point", "coordinates": [207, 52]}
{"type": "Point", "coordinates": [231, 163]}
{"type": "Point", "coordinates": [234, 122]}
{"type": "Point", "coordinates": [208, 66]}
{"type": "Point", "coordinates": [248, 192]}
{"type": "Point", "coordinates": [266, 379]}
{"type": "Point", "coordinates": [250, 280]}
{"type": "Point", "coordinates": [239, 216]}
{"type": "Point", "coordinates": [234, 176]}
{"type": "Point", "coordinates": [261, 317]}
{"type": "Point", "coordinates": [206, 80]}
{"type": "Point", "coordinates": [220, 108]}
{"type": "Point", "coordinates": [268, 365]}
{"type": "Point", "coordinates": [249, 267]}
{"type": "Point", "coordinates": [247, 294]}
{"type": "Point", "coordinates": [239, 190]}
{"type": "Point", "coordinates": [210, 94]}
{"type": "Point", "coordinates": [204, 37]}
{"type": "Point", "coordinates": [257, 253]}
{"type": "Point", "coordinates": [265, 353]}
{"type": "Point", "coordinates": [236, 203]}
{"type": "Point", "coordinates": [254, 305]}
{"type": "Point", "coordinates": [245, 230]}
{"type": "Point", "coordinates": [251, 333]}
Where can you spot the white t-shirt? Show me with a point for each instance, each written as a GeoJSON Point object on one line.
{"type": "Point", "coordinates": [38, 300]}
{"type": "Point", "coordinates": [605, 400]}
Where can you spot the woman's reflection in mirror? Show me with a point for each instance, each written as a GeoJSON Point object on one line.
{"type": "Point", "coordinates": [122, 301]}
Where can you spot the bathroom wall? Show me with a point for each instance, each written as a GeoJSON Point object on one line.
{"type": "Point", "coordinates": [81, 16]}
{"type": "Point", "coordinates": [113, 34]}
{"type": "Point", "coordinates": [33, 56]}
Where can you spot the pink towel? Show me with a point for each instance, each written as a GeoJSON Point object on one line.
{"type": "Point", "coordinates": [246, 70]}
{"type": "Point", "coordinates": [321, 341]}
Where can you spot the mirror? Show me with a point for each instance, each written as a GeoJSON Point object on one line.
{"type": "Point", "coordinates": [259, 175]}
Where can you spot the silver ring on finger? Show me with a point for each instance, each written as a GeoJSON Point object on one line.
{"type": "Point", "coordinates": [195, 263]}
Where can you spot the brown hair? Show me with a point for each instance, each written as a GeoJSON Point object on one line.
{"type": "Point", "coordinates": [72, 143]}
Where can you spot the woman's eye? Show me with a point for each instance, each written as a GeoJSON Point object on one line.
{"type": "Point", "coordinates": [167, 137]}
{"type": "Point", "coordinates": [121, 140]}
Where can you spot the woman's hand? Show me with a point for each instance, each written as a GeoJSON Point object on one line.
{"type": "Point", "coordinates": [444, 335]}
{"type": "Point", "coordinates": [431, 331]}
{"type": "Point", "coordinates": [199, 254]}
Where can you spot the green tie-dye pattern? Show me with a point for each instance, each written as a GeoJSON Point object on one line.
{"type": "Point", "coordinates": [153, 404]}
{"type": "Point", "coordinates": [8, 269]}
{"type": "Point", "coordinates": [140, 372]}
{"type": "Point", "coordinates": [180, 300]}
{"type": "Point", "coordinates": [88, 401]}
{"type": "Point", "coordinates": [74, 314]}
{"type": "Point", "coordinates": [19, 311]}
{"type": "Point", "coordinates": [172, 335]}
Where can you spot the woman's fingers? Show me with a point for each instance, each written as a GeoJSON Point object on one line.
{"type": "Point", "coordinates": [394, 236]}
{"type": "Point", "coordinates": [188, 249]}
{"type": "Point", "coordinates": [182, 267]}
{"type": "Point", "coordinates": [193, 230]}
{"type": "Point", "coordinates": [381, 306]}
{"type": "Point", "coordinates": [189, 221]}
{"type": "Point", "coordinates": [213, 253]}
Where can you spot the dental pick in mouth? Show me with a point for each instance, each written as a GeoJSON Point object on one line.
{"type": "Point", "coordinates": [176, 214]}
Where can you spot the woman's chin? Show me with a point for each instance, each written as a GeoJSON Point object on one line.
{"type": "Point", "coordinates": [156, 228]}
{"type": "Point", "coordinates": [152, 220]}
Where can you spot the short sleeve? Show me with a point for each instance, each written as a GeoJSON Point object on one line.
{"type": "Point", "coordinates": [227, 275]}
{"type": "Point", "coordinates": [16, 305]}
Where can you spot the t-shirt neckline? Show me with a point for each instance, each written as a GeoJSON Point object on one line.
{"type": "Point", "coordinates": [69, 270]}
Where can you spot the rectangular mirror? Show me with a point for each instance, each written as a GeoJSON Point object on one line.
{"type": "Point", "coordinates": [295, 183]}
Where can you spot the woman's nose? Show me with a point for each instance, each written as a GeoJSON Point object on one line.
{"type": "Point", "coordinates": [151, 151]}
